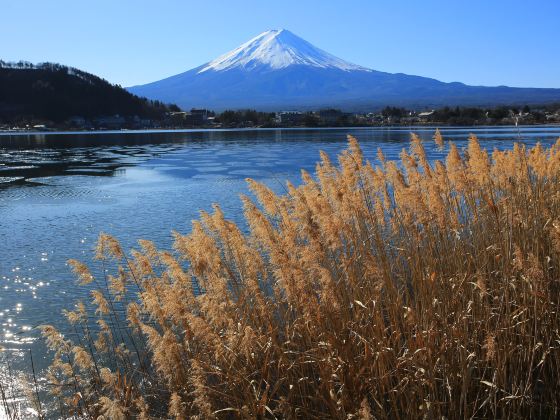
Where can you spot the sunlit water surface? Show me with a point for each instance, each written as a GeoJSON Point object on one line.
{"type": "Point", "coordinates": [58, 191]}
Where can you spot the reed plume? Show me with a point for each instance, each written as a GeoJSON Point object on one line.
{"type": "Point", "coordinates": [419, 290]}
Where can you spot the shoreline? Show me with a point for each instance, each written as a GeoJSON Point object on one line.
{"type": "Point", "coordinates": [57, 131]}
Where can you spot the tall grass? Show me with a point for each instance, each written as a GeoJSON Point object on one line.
{"type": "Point", "coordinates": [403, 290]}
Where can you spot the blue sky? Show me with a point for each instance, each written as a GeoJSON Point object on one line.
{"type": "Point", "coordinates": [129, 42]}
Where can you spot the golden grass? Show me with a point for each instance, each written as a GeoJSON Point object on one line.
{"type": "Point", "coordinates": [412, 290]}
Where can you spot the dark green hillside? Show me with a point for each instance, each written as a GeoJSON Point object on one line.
{"type": "Point", "coordinates": [55, 92]}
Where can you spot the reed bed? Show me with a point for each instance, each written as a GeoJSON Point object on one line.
{"type": "Point", "coordinates": [414, 289]}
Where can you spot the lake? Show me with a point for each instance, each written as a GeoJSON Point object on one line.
{"type": "Point", "coordinates": [59, 190]}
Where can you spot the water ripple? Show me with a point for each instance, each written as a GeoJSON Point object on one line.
{"type": "Point", "coordinates": [57, 192]}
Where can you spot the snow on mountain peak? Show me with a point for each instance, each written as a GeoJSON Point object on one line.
{"type": "Point", "coordinates": [277, 49]}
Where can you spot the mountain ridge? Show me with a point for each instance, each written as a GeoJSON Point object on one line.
{"type": "Point", "coordinates": [277, 49]}
{"type": "Point", "coordinates": [277, 69]}
{"type": "Point", "coordinates": [54, 92]}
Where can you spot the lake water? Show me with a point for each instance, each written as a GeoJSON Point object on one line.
{"type": "Point", "coordinates": [58, 191]}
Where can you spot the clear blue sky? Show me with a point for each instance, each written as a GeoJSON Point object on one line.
{"type": "Point", "coordinates": [129, 42]}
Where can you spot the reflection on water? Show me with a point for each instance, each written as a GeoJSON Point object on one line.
{"type": "Point", "coordinates": [58, 191]}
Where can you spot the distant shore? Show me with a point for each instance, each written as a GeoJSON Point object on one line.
{"type": "Point", "coordinates": [64, 130]}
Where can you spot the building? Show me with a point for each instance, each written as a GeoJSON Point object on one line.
{"type": "Point", "coordinates": [113, 121]}
{"type": "Point", "coordinates": [425, 116]}
{"type": "Point", "coordinates": [289, 117]}
{"type": "Point", "coordinates": [196, 117]}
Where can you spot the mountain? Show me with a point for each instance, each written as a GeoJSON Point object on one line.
{"type": "Point", "coordinates": [275, 50]}
{"type": "Point", "coordinates": [279, 70]}
{"type": "Point", "coordinates": [55, 92]}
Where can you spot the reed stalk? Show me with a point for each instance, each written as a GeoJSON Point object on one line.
{"type": "Point", "coordinates": [415, 289]}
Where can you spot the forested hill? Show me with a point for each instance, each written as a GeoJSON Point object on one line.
{"type": "Point", "coordinates": [55, 92]}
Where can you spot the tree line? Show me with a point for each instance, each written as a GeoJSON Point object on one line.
{"type": "Point", "coordinates": [54, 92]}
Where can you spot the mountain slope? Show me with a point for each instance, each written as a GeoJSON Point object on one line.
{"type": "Point", "coordinates": [55, 92]}
{"type": "Point", "coordinates": [277, 69]}
{"type": "Point", "coordinates": [274, 50]}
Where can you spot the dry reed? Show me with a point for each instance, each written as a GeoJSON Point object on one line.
{"type": "Point", "coordinates": [411, 290]}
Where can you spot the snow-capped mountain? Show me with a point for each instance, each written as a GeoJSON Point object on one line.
{"type": "Point", "coordinates": [277, 49]}
{"type": "Point", "coordinates": [278, 70]}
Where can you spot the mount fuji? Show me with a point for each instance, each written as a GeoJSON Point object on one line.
{"type": "Point", "coordinates": [279, 70]}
